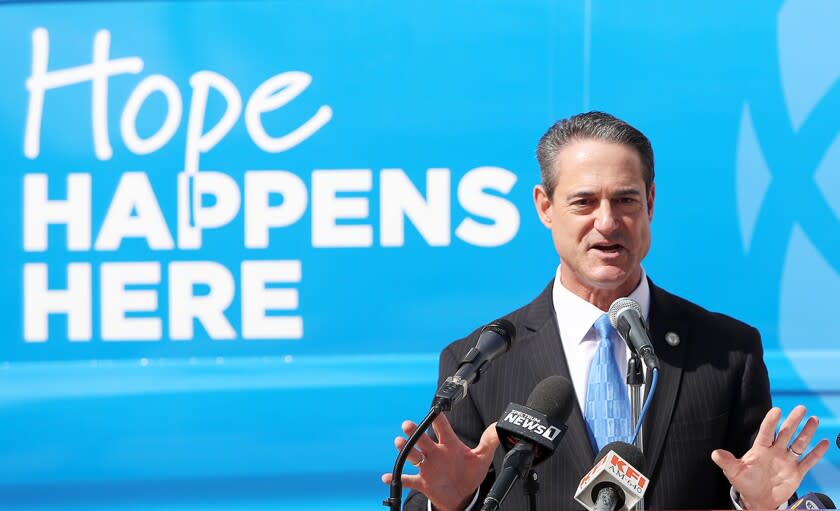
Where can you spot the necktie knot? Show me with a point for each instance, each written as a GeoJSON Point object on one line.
{"type": "Point", "coordinates": [604, 328]}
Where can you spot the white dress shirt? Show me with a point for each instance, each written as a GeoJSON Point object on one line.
{"type": "Point", "coordinates": [576, 319]}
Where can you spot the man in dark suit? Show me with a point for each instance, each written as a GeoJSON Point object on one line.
{"type": "Point", "coordinates": [713, 400]}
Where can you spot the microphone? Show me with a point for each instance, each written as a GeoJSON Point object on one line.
{"type": "Point", "coordinates": [626, 318]}
{"type": "Point", "coordinates": [813, 501]}
{"type": "Point", "coordinates": [616, 482]}
{"type": "Point", "coordinates": [494, 340]}
{"type": "Point", "coordinates": [530, 434]}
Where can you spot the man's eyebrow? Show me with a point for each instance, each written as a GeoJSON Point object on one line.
{"type": "Point", "coordinates": [621, 192]}
{"type": "Point", "coordinates": [580, 194]}
{"type": "Point", "coordinates": [627, 192]}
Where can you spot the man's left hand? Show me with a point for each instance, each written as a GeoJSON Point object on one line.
{"type": "Point", "coordinates": [770, 472]}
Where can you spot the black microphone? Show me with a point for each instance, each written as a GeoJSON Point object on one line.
{"type": "Point", "coordinates": [813, 501]}
{"type": "Point", "coordinates": [626, 318]}
{"type": "Point", "coordinates": [616, 482]}
{"type": "Point", "coordinates": [530, 434]}
{"type": "Point", "coordinates": [494, 340]}
{"type": "Point", "coordinates": [838, 440]}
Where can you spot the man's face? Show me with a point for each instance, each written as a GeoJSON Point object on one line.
{"type": "Point", "coordinates": [599, 216]}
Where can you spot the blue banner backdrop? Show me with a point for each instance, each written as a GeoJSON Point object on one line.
{"type": "Point", "coordinates": [236, 234]}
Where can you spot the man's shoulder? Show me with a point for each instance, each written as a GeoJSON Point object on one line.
{"type": "Point", "coordinates": [689, 313]}
{"type": "Point", "coordinates": [715, 325]}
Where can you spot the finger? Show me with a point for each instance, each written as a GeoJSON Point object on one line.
{"type": "Point", "coordinates": [414, 456]}
{"type": "Point", "coordinates": [790, 425]}
{"type": "Point", "coordinates": [727, 462]}
{"type": "Point", "coordinates": [489, 440]}
{"type": "Point", "coordinates": [766, 431]}
{"type": "Point", "coordinates": [800, 443]}
{"type": "Point", "coordinates": [444, 430]}
{"type": "Point", "coordinates": [408, 480]}
{"type": "Point", "coordinates": [424, 443]}
{"type": "Point", "coordinates": [811, 459]}
{"type": "Point", "coordinates": [399, 443]}
{"type": "Point", "coordinates": [414, 482]}
{"type": "Point", "coordinates": [408, 427]}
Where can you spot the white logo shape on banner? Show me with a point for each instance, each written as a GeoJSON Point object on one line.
{"type": "Point", "coordinates": [809, 70]}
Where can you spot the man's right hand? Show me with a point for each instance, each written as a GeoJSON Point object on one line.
{"type": "Point", "coordinates": [450, 472]}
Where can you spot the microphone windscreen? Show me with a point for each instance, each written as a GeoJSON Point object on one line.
{"type": "Point", "coordinates": [554, 396]}
{"type": "Point", "coordinates": [827, 501]}
{"type": "Point", "coordinates": [630, 453]}
{"type": "Point", "coordinates": [813, 501]}
{"type": "Point", "coordinates": [621, 305]}
{"type": "Point", "coordinates": [502, 327]}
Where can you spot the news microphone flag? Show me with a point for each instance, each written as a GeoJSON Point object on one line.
{"type": "Point", "coordinates": [530, 434]}
{"type": "Point", "coordinates": [521, 423]}
{"type": "Point", "coordinates": [813, 501]}
{"type": "Point", "coordinates": [612, 469]}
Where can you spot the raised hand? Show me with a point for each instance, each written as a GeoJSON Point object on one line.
{"type": "Point", "coordinates": [771, 471]}
{"type": "Point", "coordinates": [450, 472]}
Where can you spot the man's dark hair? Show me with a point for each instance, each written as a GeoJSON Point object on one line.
{"type": "Point", "coordinates": [591, 126]}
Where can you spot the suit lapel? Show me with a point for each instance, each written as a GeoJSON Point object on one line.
{"type": "Point", "coordinates": [663, 321]}
{"type": "Point", "coordinates": [544, 339]}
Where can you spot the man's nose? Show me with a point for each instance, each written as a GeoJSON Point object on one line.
{"type": "Point", "coordinates": [605, 218]}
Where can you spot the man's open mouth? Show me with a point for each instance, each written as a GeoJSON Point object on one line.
{"type": "Point", "coordinates": [608, 247]}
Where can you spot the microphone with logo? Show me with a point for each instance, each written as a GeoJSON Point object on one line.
{"type": "Point", "coordinates": [494, 340]}
{"type": "Point", "coordinates": [813, 501]}
{"type": "Point", "coordinates": [626, 317]}
{"type": "Point", "coordinates": [616, 482]}
{"type": "Point", "coordinates": [530, 434]}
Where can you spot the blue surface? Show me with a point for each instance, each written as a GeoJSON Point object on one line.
{"type": "Point", "coordinates": [255, 433]}
{"type": "Point", "coordinates": [260, 433]}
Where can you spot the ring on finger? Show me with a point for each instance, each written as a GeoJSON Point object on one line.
{"type": "Point", "coordinates": [791, 449]}
{"type": "Point", "coordinates": [420, 461]}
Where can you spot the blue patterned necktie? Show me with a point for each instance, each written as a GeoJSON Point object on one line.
{"type": "Point", "coordinates": [607, 410]}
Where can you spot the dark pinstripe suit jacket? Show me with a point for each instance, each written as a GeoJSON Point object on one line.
{"type": "Point", "coordinates": [713, 393]}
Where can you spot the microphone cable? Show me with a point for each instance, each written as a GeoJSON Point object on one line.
{"type": "Point", "coordinates": [643, 413]}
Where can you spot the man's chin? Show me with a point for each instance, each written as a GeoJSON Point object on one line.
{"type": "Point", "coordinates": [609, 277]}
{"type": "Point", "coordinates": [600, 276]}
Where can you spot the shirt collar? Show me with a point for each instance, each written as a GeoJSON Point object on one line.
{"type": "Point", "coordinates": [576, 316]}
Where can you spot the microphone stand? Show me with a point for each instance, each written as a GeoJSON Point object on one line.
{"type": "Point", "coordinates": [531, 485]}
{"type": "Point", "coordinates": [636, 381]}
{"type": "Point", "coordinates": [395, 499]}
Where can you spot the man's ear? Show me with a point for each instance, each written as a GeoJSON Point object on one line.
{"type": "Point", "coordinates": [651, 197]}
{"type": "Point", "coordinates": [542, 202]}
